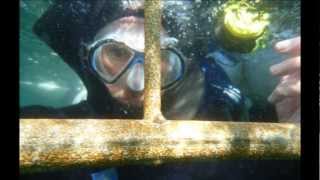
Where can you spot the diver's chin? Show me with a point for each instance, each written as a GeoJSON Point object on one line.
{"type": "Point", "coordinates": [134, 102]}
{"type": "Point", "coordinates": [124, 97]}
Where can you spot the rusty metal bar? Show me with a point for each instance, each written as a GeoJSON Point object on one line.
{"type": "Point", "coordinates": [152, 92]}
{"type": "Point", "coordinates": [53, 144]}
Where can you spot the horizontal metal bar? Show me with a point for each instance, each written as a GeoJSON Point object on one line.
{"type": "Point", "coordinates": [47, 144]}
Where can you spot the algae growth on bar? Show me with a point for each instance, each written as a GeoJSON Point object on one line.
{"type": "Point", "coordinates": [152, 92]}
{"type": "Point", "coordinates": [52, 144]}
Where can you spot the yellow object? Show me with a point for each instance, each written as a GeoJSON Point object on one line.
{"type": "Point", "coordinates": [244, 21]}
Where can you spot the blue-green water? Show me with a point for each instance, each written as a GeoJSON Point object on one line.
{"type": "Point", "coordinates": [44, 78]}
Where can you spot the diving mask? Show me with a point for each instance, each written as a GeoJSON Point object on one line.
{"type": "Point", "coordinates": [110, 60]}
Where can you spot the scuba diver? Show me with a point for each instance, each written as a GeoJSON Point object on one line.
{"type": "Point", "coordinates": [106, 49]}
{"type": "Point", "coordinates": [103, 41]}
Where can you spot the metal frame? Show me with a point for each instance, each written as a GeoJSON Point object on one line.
{"type": "Point", "coordinates": [49, 144]}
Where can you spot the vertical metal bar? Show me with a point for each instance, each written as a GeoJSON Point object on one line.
{"type": "Point", "coordinates": [152, 93]}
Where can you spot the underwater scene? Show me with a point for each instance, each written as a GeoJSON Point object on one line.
{"type": "Point", "coordinates": [44, 78]}
{"type": "Point", "coordinates": [221, 60]}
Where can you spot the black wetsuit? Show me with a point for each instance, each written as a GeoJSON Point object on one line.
{"type": "Point", "coordinates": [57, 28]}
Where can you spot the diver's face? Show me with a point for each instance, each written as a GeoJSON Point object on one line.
{"type": "Point", "coordinates": [128, 89]}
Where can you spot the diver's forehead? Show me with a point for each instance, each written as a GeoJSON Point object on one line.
{"type": "Point", "coordinates": [134, 40]}
{"type": "Point", "coordinates": [129, 30]}
{"type": "Point", "coordinates": [132, 4]}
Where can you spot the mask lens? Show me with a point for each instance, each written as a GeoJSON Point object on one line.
{"type": "Point", "coordinates": [111, 59]}
{"type": "Point", "coordinates": [171, 67]}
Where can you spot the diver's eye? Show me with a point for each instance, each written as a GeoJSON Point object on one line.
{"type": "Point", "coordinates": [115, 53]}
{"type": "Point", "coordinates": [112, 58]}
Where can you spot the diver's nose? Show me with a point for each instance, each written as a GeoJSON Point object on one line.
{"type": "Point", "coordinates": [135, 79]}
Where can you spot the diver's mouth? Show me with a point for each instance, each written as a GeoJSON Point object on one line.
{"type": "Point", "coordinates": [135, 101]}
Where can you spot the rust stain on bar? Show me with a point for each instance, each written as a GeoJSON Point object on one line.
{"type": "Point", "coordinates": [152, 92]}
{"type": "Point", "coordinates": [50, 144]}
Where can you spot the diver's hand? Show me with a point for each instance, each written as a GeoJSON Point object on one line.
{"type": "Point", "coordinates": [286, 95]}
